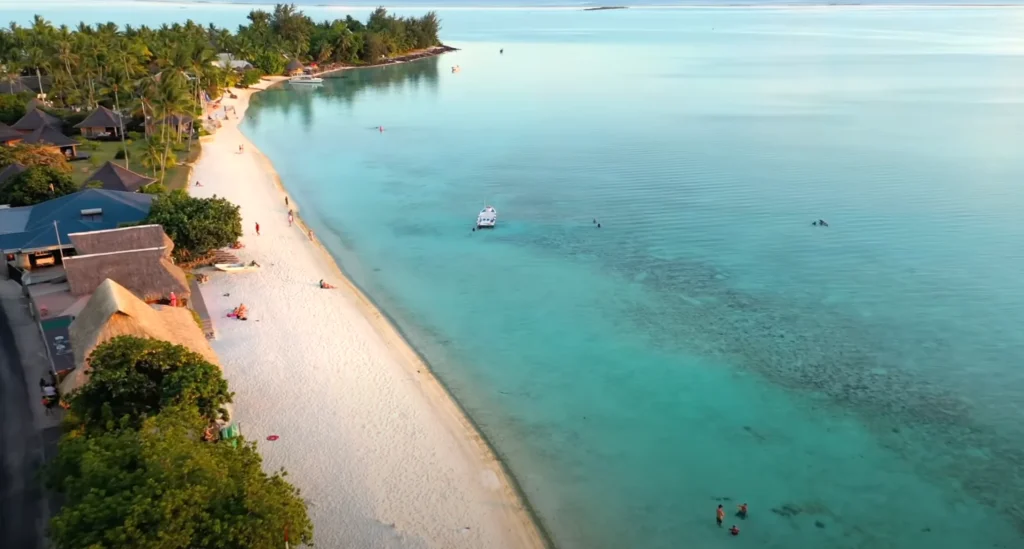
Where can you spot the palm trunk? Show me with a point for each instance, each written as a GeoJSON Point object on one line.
{"type": "Point", "coordinates": [163, 161]}
{"type": "Point", "coordinates": [39, 80]}
{"type": "Point", "coordinates": [120, 119]}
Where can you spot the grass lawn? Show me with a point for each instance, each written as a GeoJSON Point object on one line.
{"type": "Point", "coordinates": [103, 151]}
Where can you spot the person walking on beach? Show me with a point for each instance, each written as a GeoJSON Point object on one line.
{"type": "Point", "coordinates": [257, 228]}
{"type": "Point", "coordinates": [289, 218]}
{"type": "Point", "coordinates": [311, 235]}
{"type": "Point", "coordinates": [719, 516]}
{"type": "Point", "coordinates": [286, 201]}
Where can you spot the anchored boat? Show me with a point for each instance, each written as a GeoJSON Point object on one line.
{"type": "Point", "coordinates": [487, 219]}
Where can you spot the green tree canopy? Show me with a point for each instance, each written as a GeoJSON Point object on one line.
{"type": "Point", "coordinates": [36, 184]}
{"type": "Point", "coordinates": [34, 155]}
{"type": "Point", "coordinates": [162, 487]}
{"type": "Point", "coordinates": [12, 108]}
{"type": "Point", "coordinates": [135, 378]}
{"type": "Point", "coordinates": [196, 225]}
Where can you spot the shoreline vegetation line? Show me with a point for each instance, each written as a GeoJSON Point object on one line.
{"type": "Point", "coordinates": [321, 377]}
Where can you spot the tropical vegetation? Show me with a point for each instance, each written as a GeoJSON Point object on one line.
{"type": "Point", "coordinates": [156, 75]}
{"type": "Point", "coordinates": [196, 225]}
{"type": "Point", "coordinates": [36, 184]}
{"type": "Point", "coordinates": [136, 468]}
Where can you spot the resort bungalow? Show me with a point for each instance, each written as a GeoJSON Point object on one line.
{"type": "Point", "coordinates": [9, 136]}
{"type": "Point", "coordinates": [51, 137]}
{"type": "Point", "coordinates": [103, 123]}
{"type": "Point", "coordinates": [137, 258]}
{"type": "Point", "coordinates": [294, 67]}
{"type": "Point", "coordinates": [36, 119]}
{"type": "Point", "coordinates": [7, 173]}
{"type": "Point", "coordinates": [228, 61]}
{"type": "Point", "coordinates": [114, 177]}
{"type": "Point", "coordinates": [34, 237]}
{"type": "Point", "coordinates": [113, 311]}
{"type": "Point", "coordinates": [177, 124]}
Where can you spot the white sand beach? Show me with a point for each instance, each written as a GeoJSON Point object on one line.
{"type": "Point", "coordinates": [381, 453]}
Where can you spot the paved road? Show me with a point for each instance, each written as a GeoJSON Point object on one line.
{"type": "Point", "coordinates": [24, 439]}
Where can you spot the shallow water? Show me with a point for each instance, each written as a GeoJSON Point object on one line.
{"type": "Point", "coordinates": [859, 385]}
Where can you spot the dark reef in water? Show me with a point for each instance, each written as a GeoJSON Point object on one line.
{"type": "Point", "coordinates": [807, 346]}
{"type": "Point", "coordinates": [604, 8]}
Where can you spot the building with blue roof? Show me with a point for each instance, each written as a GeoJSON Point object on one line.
{"type": "Point", "coordinates": [31, 235]}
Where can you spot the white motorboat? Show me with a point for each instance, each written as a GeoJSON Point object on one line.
{"type": "Point", "coordinates": [305, 79]}
{"type": "Point", "coordinates": [487, 219]}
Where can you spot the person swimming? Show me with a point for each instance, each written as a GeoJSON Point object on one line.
{"type": "Point", "coordinates": [734, 530]}
{"type": "Point", "coordinates": [742, 513]}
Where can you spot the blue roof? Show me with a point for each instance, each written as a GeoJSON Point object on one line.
{"type": "Point", "coordinates": [31, 227]}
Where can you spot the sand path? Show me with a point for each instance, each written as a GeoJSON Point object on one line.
{"type": "Point", "coordinates": [379, 450]}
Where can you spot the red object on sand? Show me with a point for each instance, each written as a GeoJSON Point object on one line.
{"type": "Point", "coordinates": [273, 437]}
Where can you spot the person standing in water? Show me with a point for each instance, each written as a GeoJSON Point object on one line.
{"type": "Point", "coordinates": [742, 513]}
{"type": "Point", "coordinates": [719, 516]}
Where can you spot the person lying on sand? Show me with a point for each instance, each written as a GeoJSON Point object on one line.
{"type": "Point", "coordinates": [325, 286]}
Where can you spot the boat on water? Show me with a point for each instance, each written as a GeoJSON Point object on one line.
{"type": "Point", "coordinates": [305, 79]}
{"type": "Point", "coordinates": [236, 267]}
{"type": "Point", "coordinates": [487, 219]}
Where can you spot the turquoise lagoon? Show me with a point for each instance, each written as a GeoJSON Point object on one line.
{"type": "Point", "coordinates": [860, 386]}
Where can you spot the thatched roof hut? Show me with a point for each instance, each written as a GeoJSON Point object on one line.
{"type": "Point", "coordinates": [101, 121]}
{"type": "Point", "coordinates": [294, 67]}
{"type": "Point", "coordinates": [139, 237]}
{"type": "Point", "coordinates": [148, 272]}
{"type": "Point", "coordinates": [9, 172]}
{"type": "Point", "coordinates": [115, 177]}
{"type": "Point", "coordinates": [9, 135]}
{"type": "Point", "coordinates": [35, 119]}
{"type": "Point", "coordinates": [113, 311]}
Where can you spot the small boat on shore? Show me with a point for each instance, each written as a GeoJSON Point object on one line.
{"type": "Point", "coordinates": [487, 219]}
{"type": "Point", "coordinates": [236, 267]}
{"type": "Point", "coordinates": [305, 79]}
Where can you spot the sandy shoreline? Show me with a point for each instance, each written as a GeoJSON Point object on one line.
{"type": "Point", "coordinates": [382, 453]}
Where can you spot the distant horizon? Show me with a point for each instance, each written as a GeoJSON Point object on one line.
{"type": "Point", "coordinates": [566, 4]}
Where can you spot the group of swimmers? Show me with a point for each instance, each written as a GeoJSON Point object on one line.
{"type": "Point", "coordinates": [720, 516]}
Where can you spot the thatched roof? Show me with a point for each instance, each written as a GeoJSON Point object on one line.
{"type": "Point", "coordinates": [102, 117]}
{"type": "Point", "coordinates": [293, 65]}
{"type": "Point", "coordinates": [118, 178]}
{"type": "Point", "coordinates": [139, 237]}
{"type": "Point", "coordinates": [48, 135]}
{"type": "Point", "coordinates": [113, 311]}
{"type": "Point", "coordinates": [8, 133]}
{"type": "Point", "coordinates": [8, 172]}
{"type": "Point", "coordinates": [149, 274]}
{"type": "Point", "coordinates": [35, 119]}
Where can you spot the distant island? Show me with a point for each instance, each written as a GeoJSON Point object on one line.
{"type": "Point", "coordinates": [602, 8]}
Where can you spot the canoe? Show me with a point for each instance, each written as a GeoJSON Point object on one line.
{"type": "Point", "coordinates": [235, 267]}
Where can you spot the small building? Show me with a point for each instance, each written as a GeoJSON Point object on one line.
{"type": "Point", "coordinates": [35, 236]}
{"type": "Point", "coordinates": [228, 61]}
{"type": "Point", "coordinates": [9, 172]}
{"type": "Point", "coordinates": [137, 258]}
{"type": "Point", "coordinates": [36, 119]}
{"type": "Point", "coordinates": [114, 177]}
{"type": "Point", "coordinates": [177, 123]}
{"type": "Point", "coordinates": [51, 137]}
{"type": "Point", "coordinates": [113, 311]}
{"type": "Point", "coordinates": [9, 136]}
{"type": "Point", "coordinates": [102, 123]}
{"type": "Point", "coordinates": [294, 67]}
